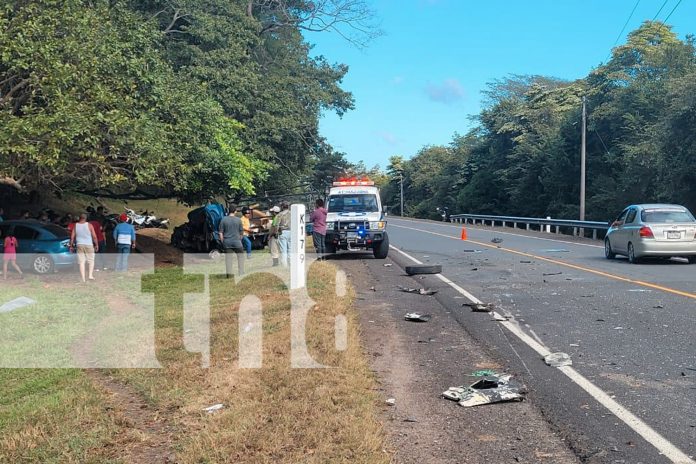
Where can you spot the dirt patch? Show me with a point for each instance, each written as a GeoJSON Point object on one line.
{"type": "Point", "coordinates": [147, 434]}
{"type": "Point", "coordinates": [157, 241]}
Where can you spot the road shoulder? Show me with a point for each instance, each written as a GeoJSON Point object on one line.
{"type": "Point", "coordinates": [416, 362]}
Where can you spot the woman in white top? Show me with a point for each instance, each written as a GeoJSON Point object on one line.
{"type": "Point", "coordinates": [84, 238]}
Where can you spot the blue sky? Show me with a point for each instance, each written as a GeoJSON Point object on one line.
{"type": "Point", "coordinates": [420, 82]}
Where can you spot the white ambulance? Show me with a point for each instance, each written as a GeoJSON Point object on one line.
{"type": "Point", "coordinates": [355, 218]}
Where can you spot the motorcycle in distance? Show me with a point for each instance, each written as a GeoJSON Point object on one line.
{"type": "Point", "coordinates": [444, 213]}
{"type": "Point", "coordinates": [146, 220]}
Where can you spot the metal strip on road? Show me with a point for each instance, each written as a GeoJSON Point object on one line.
{"type": "Point", "coordinates": [664, 446]}
{"type": "Point", "coordinates": [563, 263]}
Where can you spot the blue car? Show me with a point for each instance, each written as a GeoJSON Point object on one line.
{"type": "Point", "coordinates": [44, 248]}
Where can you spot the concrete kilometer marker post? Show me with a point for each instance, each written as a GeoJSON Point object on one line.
{"type": "Point", "coordinates": [297, 246]}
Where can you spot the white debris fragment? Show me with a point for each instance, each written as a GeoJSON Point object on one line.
{"type": "Point", "coordinates": [213, 408]}
{"type": "Point", "coordinates": [558, 359]}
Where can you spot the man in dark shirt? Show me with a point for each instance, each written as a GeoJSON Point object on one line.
{"type": "Point", "coordinates": [231, 233]}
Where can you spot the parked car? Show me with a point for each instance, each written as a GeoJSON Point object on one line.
{"type": "Point", "coordinates": [654, 230]}
{"type": "Point", "coordinates": [43, 248]}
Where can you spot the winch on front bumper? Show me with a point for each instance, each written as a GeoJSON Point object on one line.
{"type": "Point", "coordinates": [353, 235]}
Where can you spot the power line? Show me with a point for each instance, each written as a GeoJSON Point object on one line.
{"type": "Point", "coordinates": [660, 10]}
{"type": "Point", "coordinates": [622, 29]}
{"type": "Point", "coordinates": [670, 13]}
{"type": "Point", "coordinates": [626, 24]}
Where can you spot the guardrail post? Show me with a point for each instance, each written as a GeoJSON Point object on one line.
{"type": "Point", "coordinates": [594, 234]}
{"type": "Point", "coordinates": [557, 229]}
{"type": "Point", "coordinates": [575, 231]}
{"type": "Point", "coordinates": [548, 226]}
{"type": "Point", "coordinates": [527, 226]}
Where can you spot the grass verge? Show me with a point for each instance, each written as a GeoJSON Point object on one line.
{"type": "Point", "coordinates": [271, 414]}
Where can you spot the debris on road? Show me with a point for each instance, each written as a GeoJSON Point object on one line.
{"type": "Point", "coordinates": [423, 269]}
{"type": "Point", "coordinates": [558, 359]}
{"type": "Point", "coordinates": [17, 303]}
{"type": "Point", "coordinates": [490, 389]}
{"type": "Point", "coordinates": [391, 401]}
{"type": "Point", "coordinates": [556, 250]}
{"type": "Point", "coordinates": [551, 273]}
{"type": "Point", "coordinates": [419, 291]}
{"type": "Point", "coordinates": [387, 265]}
{"type": "Point", "coordinates": [213, 408]}
{"type": "Point", "coordinates": [480, 307]}
{"type": "Point", "coordinates": [499, 318]}
{"type": "Point", "coordinates": [471, 251]}
{"type": "Point", "coordinates": [496, 240]}
{"type": "Point", "coordinates": [483, 373]}
{"type": "Point", "coordinates": [410, 419]}
{"type": "Point", "coordinates": [415, 317]}
{"type": "Point", "coordinates": [658, 306]}
{"type": "Point", "coordinates": [373, 288]}
{"type": "Point", "coordinates": [525, 262]}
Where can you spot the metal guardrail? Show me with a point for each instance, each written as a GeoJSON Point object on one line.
{"type": "Point", "coordinates": [578, 227]}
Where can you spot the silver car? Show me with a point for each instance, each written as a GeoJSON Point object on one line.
{"type": "Point", "coordinates": [657, 230]}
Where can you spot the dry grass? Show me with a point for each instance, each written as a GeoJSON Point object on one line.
{"type": "Point", "coordinates": [273, 414]}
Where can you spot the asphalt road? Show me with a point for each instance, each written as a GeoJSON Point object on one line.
{"type": "Point", "coordinates": [629, 329]}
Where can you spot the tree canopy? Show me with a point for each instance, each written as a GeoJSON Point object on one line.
{"type": "Point", "coordinates": [186, 98]}
{"type": "Point", "coordinates": [522, 157]}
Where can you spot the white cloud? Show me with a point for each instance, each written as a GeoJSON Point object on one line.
{"type": "Point", "coordinates": [448, 92]}
{"type": "Point", "coordinates": [387, 137]}
{"type": "Point", "coordinates": [397, 80]}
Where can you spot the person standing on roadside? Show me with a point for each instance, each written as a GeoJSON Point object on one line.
{"type": "Point", "coordinates": [283, 224]}
{"type": "Point", "coordinates": [101, 240]}
{"type": "Point", "coordinates": [231, 233]}
{"type": "Point", "coordinates": [318, 218]}
{"type": "Point", "coordinates": [246, 227]}
{"type": "Point", "coordinates": [10, 255]}
{"type": "Point", "coordinates": [124, 237]}
{"type": "Point", "coordinates": [273, 236]}
{"type": "Point", "coordinates": [84, 239]}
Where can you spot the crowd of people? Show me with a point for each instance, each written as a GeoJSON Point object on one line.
{"type": "Point", "coordinates": [234, 235]}
{"type": "Point", "coordinates": [88, 239]}
{"type": "Point", "coordinates": [89, 230]}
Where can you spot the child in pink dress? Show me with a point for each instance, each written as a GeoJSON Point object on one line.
{"type": "Point", "coordinates": [10, 255]}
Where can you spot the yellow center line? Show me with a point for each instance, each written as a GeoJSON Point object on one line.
{"type": "Point", "coordinates": [565, 264]}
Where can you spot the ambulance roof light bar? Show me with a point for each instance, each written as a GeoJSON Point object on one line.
{"type": "Point", "coordinates": [352, 182]}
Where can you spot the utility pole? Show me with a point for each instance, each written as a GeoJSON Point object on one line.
{"type": "Point", "coordinates": [582, 160]}
{"type": "Point", "coordinates": [401, 181]}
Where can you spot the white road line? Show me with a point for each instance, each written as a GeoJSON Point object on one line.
{"type": "Point", "coordinates": [660, 443]}
{"type": "Point", "coordinates": [510, 233]}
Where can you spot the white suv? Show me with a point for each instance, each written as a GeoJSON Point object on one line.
{"type": "Point", "coordinates": [355, 218]}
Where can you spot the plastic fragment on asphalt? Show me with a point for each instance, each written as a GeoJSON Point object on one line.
{"type": "Point", "coordinates": [551, 273]}
{"type": "Point", "coordinates": [472, 251]}
{"type": "Point", "coordinates": [480, 307]}
{"type": "Point", "coordinates": [483, 373]}
{"type": "Point", "coordinates": [558, 359]}
{"type": "Point", "coordinates": [15, 304]}
{"type": "Point", "coordinates": [495, 388]}
{"type": "Point", "coordinates": [556, 250]}
{"type": "Point", "coordinates": [499, 318]}
{"type": "Point", "coordinates": [419, 291]}
{"type": "Point", "coordinates": [391, 401]}
{"type": "Point", "coordinates": [415, 317]}
{"type": "Point", "coordinates": [496, 240]}
{"type": "Point", "coordinates": [387, 265]}
{"type": "Point", "coordinates": [213, 408]}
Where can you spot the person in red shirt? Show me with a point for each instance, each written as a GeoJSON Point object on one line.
{"type": "Point", "coordinates": [10, 255]}
{"type": "Point", "coordinates": [101, 240]}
